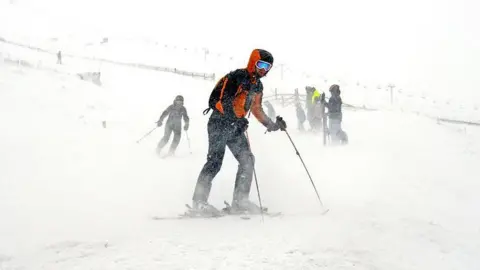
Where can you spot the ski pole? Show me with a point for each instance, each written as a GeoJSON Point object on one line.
{"type": "Point", "coordinates": [256, 180]}
{"type": "Point", "coordinates": [309, 176]}
{"type": "Point", "coordinates": [325, 129]}
{"type": "Point", "coordinates": [148, 133]}
{"type": "Point", "coordinates": [188, 140]}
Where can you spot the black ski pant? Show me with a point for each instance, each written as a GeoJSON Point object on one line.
{"type": "Point", "coordinates": [220, 135]}
{"type": "Point", "coordinates": [177, 134]}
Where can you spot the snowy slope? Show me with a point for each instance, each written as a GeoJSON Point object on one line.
{"type": "Point", "coordinates": [129, 50]}
{"type": "Point", "coordinates": [403, 194]}
{"type": "Point", "coordinates": [73, 35]}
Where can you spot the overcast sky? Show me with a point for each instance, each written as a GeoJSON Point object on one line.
{"type": "Point", "coordinates": [433, 45]}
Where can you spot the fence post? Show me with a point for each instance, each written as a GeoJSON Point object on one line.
{"type": "Point", "coordinates": [276, 93]}
{"type": "Point", "coordinates": [391, 86]}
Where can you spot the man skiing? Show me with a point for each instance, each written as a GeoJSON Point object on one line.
{"type": "Point", "coordinates": [175, 112]}
{"type": "Point", "coordinates": [234, 95]}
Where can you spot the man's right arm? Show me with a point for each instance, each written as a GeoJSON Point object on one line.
{"type": "Point", "coordinates": [165, 113]}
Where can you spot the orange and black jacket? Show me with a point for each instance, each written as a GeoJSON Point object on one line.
{"type": "Point", "coordinates": [238, 92]}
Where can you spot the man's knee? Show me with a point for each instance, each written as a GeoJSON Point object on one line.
{"type": "Point", "coordinates": [246, 159]}
{"type": "Point", "coordinates": [176, 137]}
{"type": "Point", "coordinates": [252, 159]}
{"type": "Point", "coordinates": [214, 163]}
{"type": "Point", "coordinates": [166, 136]}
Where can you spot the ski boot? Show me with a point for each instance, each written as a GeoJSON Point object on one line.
{"type": "Point", "coordinates": [244, 207]}
{"type": "Point", "coordinates": [203, 209]}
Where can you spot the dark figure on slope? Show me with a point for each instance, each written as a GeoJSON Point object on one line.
{"type": "Point", "coordinates": [335, 116]}
{"type": "Point", "coordinates": [270, 110]}
{"type": "Point", "coordinates": [59, 57]}
{"type": "Point", "coordinates": [301, 117]}
{"type": "Point", "coordinates": [234, 95]}
{"type": "Point", "coordinates": [175, 112]}
{"type": "Point", "coordinates": [318, 113]}
{"type": "Point", "coordinates": [309, 104]}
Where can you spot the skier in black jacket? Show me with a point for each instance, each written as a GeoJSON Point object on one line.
{"type": "Point", "coordinates": [300, 116]}
{"type": "Point", "coordinates": [335, 115]}
{"type": "Point", "coordinates": [175, 112]}
{"type": "Point", "coordinates": [270, 109]}
{"type": "Point", "coordinates": [233, 97]}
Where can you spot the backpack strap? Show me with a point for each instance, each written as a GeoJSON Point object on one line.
{"type": "Point", "coordinates": [206, 111]}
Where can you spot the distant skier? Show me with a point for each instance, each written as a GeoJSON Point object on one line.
{"type": "Point", "coordinates": [309, 104]}
{"type": "Point", "coordinates": [270, 109]}
{"type": "Point", "coordinates": [231, 99]}
{"type": "Point", "coordinates": [300, 116]}
{"type": "Point", "coordinates": [335, 116]}
{"type": "Point", "coordinates": [315, 94]}
{"type": "Point", "coordinates": [312, 95]}
{"type": "Point", "coordinates": [318, 112]}
{"type": "Point", "coordinates": [59, 57]}
{"type": "Point", "coordinates": [175, 112]}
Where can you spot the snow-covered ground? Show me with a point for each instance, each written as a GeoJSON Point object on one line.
{"type": "Point", "coordinates": [74, 195]}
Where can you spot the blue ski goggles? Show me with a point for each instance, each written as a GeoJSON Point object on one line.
{"type": "Point", "coordinates": [263, 65]}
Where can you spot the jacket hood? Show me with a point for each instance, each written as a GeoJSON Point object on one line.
{"type": "Point", "coordinates": [258, 54]}
{"type": "Point", "coordinates": [335, 89]}
{"type": "Point", "coordinates": [178, 98]}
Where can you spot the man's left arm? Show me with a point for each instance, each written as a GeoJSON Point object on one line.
{"type": "Point", "coordinates": [186, 119]}
{"type": "Point", "coordinates": [257, 110]}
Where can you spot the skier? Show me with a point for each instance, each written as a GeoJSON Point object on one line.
{"type": "Point", "coordinates": [335, 116]}
{"type": "Point", "coordinates": [270, 109]}
{"type": "Point", "coordinates": [315, 95]}
{"type": "Point", "coordinates": [300, 116]}
{"type": "Point", "coordinates": [175, 112]}
{"type": "Point", "coordinates": [309, 104]}
{"type": "Point", "coordinates": [234, 95]}
{"type": "Point", "coordinates": [59, 57]}
{"type": "Point", "coordinates": [318, 112]}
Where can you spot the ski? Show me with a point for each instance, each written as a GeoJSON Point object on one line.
{"type": "Point", "coordinates": [250, 216]}
{"type": "Point", "coordinates": [184, 216]}
{"type": "Point", "coordinates": [190, 214]}
{"type": "Point", "coordinates": [241, 216]}
{"type": "Point", "coordinates": [169, 156]}
{"type": "Point", "coordinates": [246, 215]}
{"type": "Point", "coordinates": [166, 156]}
{"type": "Point", "coordinates": [225, 212]}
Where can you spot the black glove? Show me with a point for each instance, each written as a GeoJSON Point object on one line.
{"type": "Point", "coordinates": [279, 124]}
{"type": "Point", "coordinates": [185, 127]}
{"type": "Point", "coordinates": [159, 123]}
{"type": "Point", "coordinates": [240, 126]}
